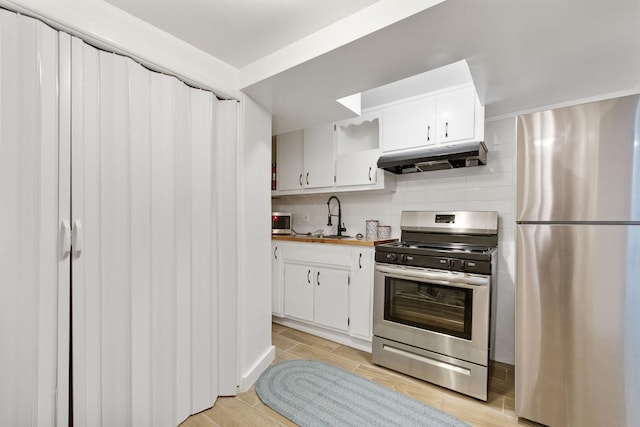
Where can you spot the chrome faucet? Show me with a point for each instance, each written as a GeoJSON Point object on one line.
{"type": "Point", "coordinates": [341, 226]}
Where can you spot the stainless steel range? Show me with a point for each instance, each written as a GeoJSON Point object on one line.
{"type": "Point", "coordinates": [432, 299]}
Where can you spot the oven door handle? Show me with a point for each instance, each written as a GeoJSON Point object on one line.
{"type": "Point", "coordinates": [442, 278]}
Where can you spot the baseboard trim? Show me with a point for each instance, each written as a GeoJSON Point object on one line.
{"type": "Point", "coordinates": [503, 372]}
{"type": "Point", "coordinates": [257, 369]}
{"type": "Point", "coordinates": [338, 337]}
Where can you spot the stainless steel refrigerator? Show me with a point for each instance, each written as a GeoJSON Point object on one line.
{"type": "Point", "coordinates": [578, 265]}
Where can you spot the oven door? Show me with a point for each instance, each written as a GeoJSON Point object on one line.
{"type": "Point", "coordinates": [436, 310]}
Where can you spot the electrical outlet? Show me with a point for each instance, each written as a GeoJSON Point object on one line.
{"type": "Point", "coordinates": [305, 218]}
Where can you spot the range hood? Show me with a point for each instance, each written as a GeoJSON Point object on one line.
{"type": "Point", "coordinates": [435, 158]}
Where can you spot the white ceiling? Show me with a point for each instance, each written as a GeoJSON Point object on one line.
{"type": "Point", "coordinates": [241, 31]}
{"type": "Point", "coordinates": [522, 55]}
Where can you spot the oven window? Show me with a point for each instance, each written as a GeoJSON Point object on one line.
{"type": "Point", "coordinates": [438, 308]}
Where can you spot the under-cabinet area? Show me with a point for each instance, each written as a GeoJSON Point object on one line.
{"type": "Point", "coordinates": [325, 289]}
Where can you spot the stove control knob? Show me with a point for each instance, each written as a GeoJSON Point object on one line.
{"type": "Point", "coordinates": [452, 263]}
{"type": "Point", "coordinates": [403, 258]}
{"type": "Point", "coordinates": [392, 257]}
{"type": "Point", "coordinates": [468, 264]}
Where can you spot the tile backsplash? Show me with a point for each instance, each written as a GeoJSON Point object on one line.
{"type": "Point", "coordinates": [489, 187]}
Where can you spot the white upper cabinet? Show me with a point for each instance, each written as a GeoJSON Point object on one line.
{"type": "Point", "coordinates": [319, 164]}
{"type": "Point", "coordinates": [290, 160]}
{"type": "Point", "coordinates": [409, 125]}
{"type": "Point", "coordinates": [357, 151]}
{"type": "Point", "coordinates": [455, 115]}
{"type": "Point", "coordinates": [332, 158]}
{"type": "Point", "coordinates": [448, 116]}
{"type": "Point", "coordinates": [357, 168]}
{"type": "Point", "coordinates": [305, 158]}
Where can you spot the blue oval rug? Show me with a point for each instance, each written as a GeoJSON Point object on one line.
{"type": "Point", "coordinates": [312, 393]}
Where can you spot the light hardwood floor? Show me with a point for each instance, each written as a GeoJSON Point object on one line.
{"type": "Point", "coordinates": [246, 409]}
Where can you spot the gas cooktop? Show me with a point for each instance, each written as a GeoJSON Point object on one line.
{"type": "Point", "coordinates": [455, 241]}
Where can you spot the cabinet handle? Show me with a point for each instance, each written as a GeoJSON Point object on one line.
{"type": "Point", "coordinates": [446, 130]}
{"type": "Point", "coordinates": [275, 252]}
{"type": "Point", "coordinates": [369, 173]}
{"type": "Point", "coordinates": [318, 278]}
{"type": "Point", "coordinates": [360, 261]}
{"type": "Point", "coordinates": [308, 274]}
{"type": "Point", "coordinates": [307, 178]}
{"type": "Point", "coordinates": [428, 132]}
{"type": "Point", "coordinates": [300, 180]}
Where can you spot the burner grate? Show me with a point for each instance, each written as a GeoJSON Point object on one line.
{"type": "Point", "coordinates": [444, 247]}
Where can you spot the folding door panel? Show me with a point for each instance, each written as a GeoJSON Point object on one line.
{"type": "Point", "coordinates": [34, 191]}
{"type": "Point", "coordinates": [145, 286]}
{"type": "Point", "coordinates": [203, 249]}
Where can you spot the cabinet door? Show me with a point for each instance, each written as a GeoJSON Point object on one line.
{"type": "Point", "coordinates": [357, 150]}
{"type": "Point", "coordinates": [409, 125]}
{"type": "Point", "coordinates": [319, 165]}
{"type": "Point", "coordinates": [298, 291]}
{"type": "Point", "coordinates": [331, 298]}
{"type": "Point", "coordinates": [361, 294]}
{"type": "Point", "coordinates": [357, 168]}
{"type": "Point", "coordinates": [289, 167]}
{"type": "Point", "coordinates": [276, 278]}
{"type": "Point", "coordinates": [455, 115]}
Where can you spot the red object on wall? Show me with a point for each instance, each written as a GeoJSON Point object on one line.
{"type": "Point", "coordinates": [273, 176]}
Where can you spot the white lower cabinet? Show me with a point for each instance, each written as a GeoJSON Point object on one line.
{"type": "Point", "coordinates": [361, 298]}
{"type": "Point", "coordinates": [331, 298]}
{"type": "Point", "coordinates": [324, 285]}
{"type": "Point", "coordinates": [317, 294]}
{"type": "Point", "coordinates": [298, 291]}
{"type": "Point", "coordinates": [276, 278]}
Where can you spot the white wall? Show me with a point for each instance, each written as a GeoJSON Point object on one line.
{"type": "Point", "coordinates": [256, 351]}
{"type": "Point", "coordinates": [489, 187]}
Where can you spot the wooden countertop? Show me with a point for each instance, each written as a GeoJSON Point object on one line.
{"type": "Point", "coordinates": [344, 241]}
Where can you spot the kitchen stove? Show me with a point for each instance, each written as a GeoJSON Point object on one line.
{"type": "Point", "coordinates": [432, 297]}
